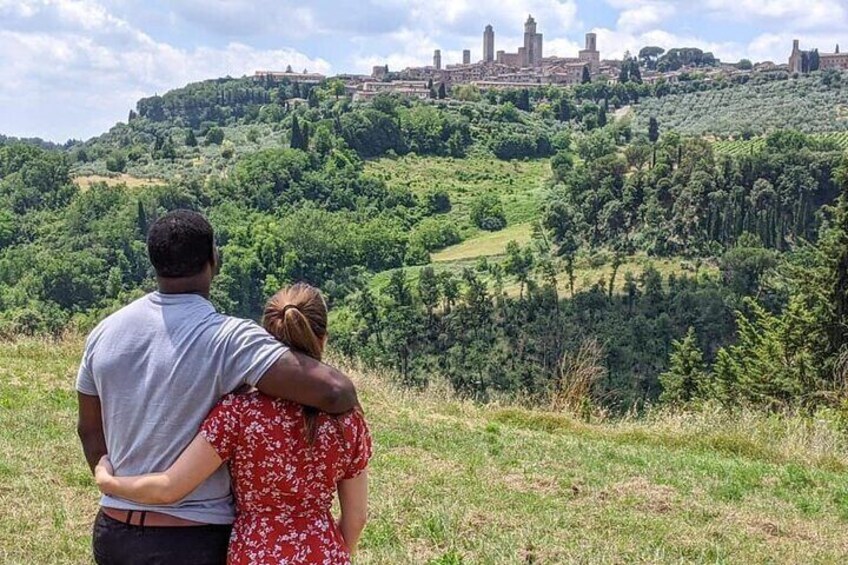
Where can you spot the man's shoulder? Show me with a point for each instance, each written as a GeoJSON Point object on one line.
{"type": "Point", "coordinates": [118, 318]}
{"type": "Point", "coordinates": [232, 326]}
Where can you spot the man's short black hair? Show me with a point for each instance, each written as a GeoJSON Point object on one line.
{"type": "Point", "coordinates": [180, 244]}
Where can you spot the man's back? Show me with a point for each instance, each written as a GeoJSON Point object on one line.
{"type": "Point", "coordinates": [159, 366]}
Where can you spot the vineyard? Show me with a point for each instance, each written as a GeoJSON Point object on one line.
{"type": "Point", "coordinates": [739, 147]}
{"type": "Point", "coordinates": [811, 104]}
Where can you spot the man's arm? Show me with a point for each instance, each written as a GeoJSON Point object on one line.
{"type": "Point", "coordinates": [90, 429]}
{"type": "Point", "coordinates": [302, 379]}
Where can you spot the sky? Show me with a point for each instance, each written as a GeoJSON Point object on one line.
{"type": "Point", "coordinates": [71, 69]}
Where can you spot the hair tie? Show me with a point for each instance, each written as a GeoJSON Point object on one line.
{"type": "Point", "coordinates": [286, 308]}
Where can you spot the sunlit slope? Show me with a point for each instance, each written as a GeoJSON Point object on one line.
{"type": "Point", "coordinates": [459, 483]}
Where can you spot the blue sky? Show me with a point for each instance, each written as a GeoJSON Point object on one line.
{"type": "Point", "coordinates": [72, 68]}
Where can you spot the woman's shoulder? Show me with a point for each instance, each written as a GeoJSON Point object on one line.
{"type": "Point", "coordinates": [354, 424]}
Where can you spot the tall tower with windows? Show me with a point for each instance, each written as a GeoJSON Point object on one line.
{"type": "Point", "coordinates": [489, 45]}
{"type": "Point", "coordinates": [532, 44]}
{"type": "Point", "coordinates": [590, 55]}
{"type": "Point", "coordinates": [437, 59]}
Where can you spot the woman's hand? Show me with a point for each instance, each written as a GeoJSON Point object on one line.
{"type": "Point", "coordinates": [104, 474]}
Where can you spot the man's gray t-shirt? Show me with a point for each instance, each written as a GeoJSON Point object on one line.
{"type": "Point", "coordinates": [159, 366]}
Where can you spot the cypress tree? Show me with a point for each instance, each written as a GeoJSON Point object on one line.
{"type": "Point", "coordinates": [587, 76]}
{"type": "Point", "coordinates": [296, 135]}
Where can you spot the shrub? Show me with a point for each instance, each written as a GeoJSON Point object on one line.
{"type": "Point", "coordinates": [215, 136]}
{"type": "Point", "coordinates": [487, 213]}
{"type": "Point", "coordinates": [116, 162]}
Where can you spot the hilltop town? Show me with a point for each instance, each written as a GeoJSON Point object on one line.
{"type": "Point", "coordinates": [528, 67]}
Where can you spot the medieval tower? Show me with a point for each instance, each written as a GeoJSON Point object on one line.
{"type": "Point", "coordinates": [489, 45]}
{"type": "Point", "coordinates": [532, 44]}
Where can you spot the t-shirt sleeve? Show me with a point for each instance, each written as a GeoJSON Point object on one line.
{"type": "Point", "coordinates": [359, 444]}
{"type": "Point", "coordinates": [85, 377]}
{"type": "Point", "coordinates": [222, 426]}
{"type": "Point", "coordinates": [250, 351]}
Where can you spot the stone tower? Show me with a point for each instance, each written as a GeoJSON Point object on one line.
{"type": "Point", "coordinates": [590, 55]}
{"type": "Point", "coordinates": [796, 58]}
{"type": "Point", "coordinates": [489, 45]}
{"type": "Point", "coordinates": [466, 57]}
{"type": "Point", "coordinates": [437, 59]}
{"type": "Point", "coordinates": [532, 44]}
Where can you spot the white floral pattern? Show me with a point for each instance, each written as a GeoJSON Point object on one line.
{"type": "Point", "coordinates": [284, 488]}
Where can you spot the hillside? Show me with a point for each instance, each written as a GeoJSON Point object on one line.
{"type": "Point", "coordinates": [811, 104]}
{"type": "Point", "coordinates": [459, 483]}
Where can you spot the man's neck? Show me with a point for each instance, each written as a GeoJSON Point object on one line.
{"type": "Point", "coordinates": [188, 285]}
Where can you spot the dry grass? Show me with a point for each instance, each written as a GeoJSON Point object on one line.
{"type": "Point", "coordinates": [85, 181]}
{"type": "Point", "coordinates": [484, 244]}
{"type": "Point", "coordinates": [455, 482]}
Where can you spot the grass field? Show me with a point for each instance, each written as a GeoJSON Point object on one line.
{"type": "Point", "coordinates": [519, 184]}
{"type": "Point", "coordinates": [458, 483]}
{"type": "Point", "coordinates": [85, 181]}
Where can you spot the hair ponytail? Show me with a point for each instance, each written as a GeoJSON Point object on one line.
{"type": "Point", "coordinates": [297, 316]}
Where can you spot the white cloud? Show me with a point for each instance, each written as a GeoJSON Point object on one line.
{"type": "Point", "coordinates": [85, 73]}
{"type": "Point", "coordinates": [829, 14]}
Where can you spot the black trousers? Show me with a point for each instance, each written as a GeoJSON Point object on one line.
{"type": "Point", "coordinates": [116, 543]}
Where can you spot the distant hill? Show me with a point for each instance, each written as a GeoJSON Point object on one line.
{"type": "Point", "coordinates": [816, 103]}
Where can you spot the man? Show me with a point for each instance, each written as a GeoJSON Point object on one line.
{"type": "Point", "coordinates": [150, 374]}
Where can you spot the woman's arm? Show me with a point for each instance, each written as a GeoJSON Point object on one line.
{"type": "Point", "coordinates": [353, 499]}
{"type": "Point", "coordinates": [195, 465]}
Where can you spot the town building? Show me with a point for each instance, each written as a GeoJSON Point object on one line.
{"type": "Point", "coordinates": [799, 60]}
{"type": "Point", "coordinates": [304, 77]}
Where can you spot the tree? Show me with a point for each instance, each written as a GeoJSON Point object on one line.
{"type": "Point", "coordinates": [685, 379]}
{"type": "Point", "coordinates": [428, 290]}
{"type": "Point", "coordinates": [653, 137]}
{"type": "Point", "coordinates": [519, 264]}
{"type": "Point", "coordinates": [442, 92]}
{"type": "Point", "coordinates": [215, 136]}
{"type": "Point", "coordinates": [190, 139]}
{"type": "Point", "coordinates": [602, 117]}
{"type": "Point", "coordinates": [653, 130]}
{"type": "Point", "coordinates": [141, 220]}
{"type": "Point", "coordinates": [650, 55]}
{"type": "Point", "coordinates": [562, 219]}
{"type": "Point", "coordinates": [487, 212]}
{"type": "Point", "coordinates": [297, 141]}
{"type": "Point", "coordinates": [312, 100]}
{"type": "Point", "coordinates": [116, 162]}
{"type": "Point", "coordinates": [523, 102]}
{"type": "Point", "coordinates": [587, 76]}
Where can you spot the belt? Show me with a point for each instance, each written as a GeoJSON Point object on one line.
{"type": "Point", "coordinates": [148, 518]}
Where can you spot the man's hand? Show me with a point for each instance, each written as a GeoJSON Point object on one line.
{"type": "Point", "coordinates": [302, 379]}
{"type": "Point", "coordinates": [90, 429]}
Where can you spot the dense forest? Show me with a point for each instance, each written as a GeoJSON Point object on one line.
{"type": "Point", "coordinates": [281, 170]}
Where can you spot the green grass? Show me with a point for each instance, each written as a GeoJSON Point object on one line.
{"type": "Point", "coordinates": [519, 184]}
{"type": "Point", "coordinates": [458, 483]}
{"type": "Point", "coordinates": [484, 244]}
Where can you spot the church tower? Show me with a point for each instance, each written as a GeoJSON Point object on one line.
{"type": "Point", "coordinates": [590, 55]}
{"type": "Point", "coordinates": [437, 59]}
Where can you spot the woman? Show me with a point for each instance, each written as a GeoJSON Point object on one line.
{"type": "Point", "coordinates": [287, 461]}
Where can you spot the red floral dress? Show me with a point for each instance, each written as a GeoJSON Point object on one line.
{"type": "Point", "coordinates": [284, 488]}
